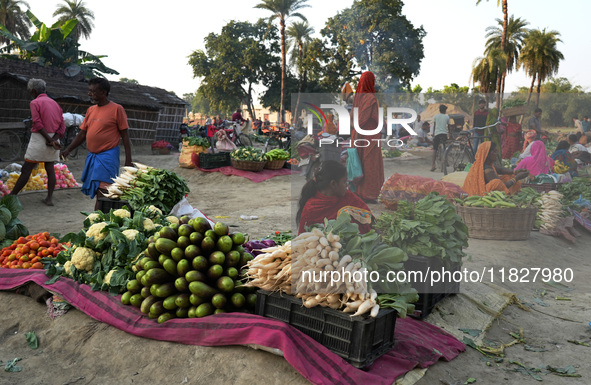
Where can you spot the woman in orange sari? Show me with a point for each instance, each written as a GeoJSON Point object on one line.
{"type": "Point", "coordinates": [484, 177]}
{"type": "Point", "coordinates": [371, 156]}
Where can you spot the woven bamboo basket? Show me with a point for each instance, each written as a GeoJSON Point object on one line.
{"type": "Point", "coordinates": [275, 164]}
{"type": "Point", "coordinates": [503, 224]}
{"type": "Point", "coordinates": [248, 165]}
{"type": "Point", "coordinates": [542, 187]}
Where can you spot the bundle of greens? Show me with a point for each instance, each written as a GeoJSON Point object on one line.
{"type": "Point", "coordinates": [196, 141]}
{"type": "Point", "coordinates": [144, 186]}
{"type": "Point", "coordinates": [578, 188]}
{"type": "Point", "coordinates": [429, 228]}
{"type": "Point", "coordinates": [11, 227]}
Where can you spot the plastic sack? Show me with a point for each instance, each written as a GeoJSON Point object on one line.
{"type": "Point", "coordinates": [69, 119]}
{"type": "Point", "coordinates": [183, 207]}
{"type": "Point", "coordinates": [186, 155]}
{"type": "Point", "coordinates": [413, 188]}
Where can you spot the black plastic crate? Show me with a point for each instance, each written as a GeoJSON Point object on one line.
{"type": "Point", "coordinates": [209, 161]}
{"type": "Point", "coordinates": [429, 295]}
{"type": "Point", "coordinates": [106, 204]}
{"type": "Point", "coordinates": [359, 340]}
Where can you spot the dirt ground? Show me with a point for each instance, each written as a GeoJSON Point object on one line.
{"type": "Point", "coordinates": [75, 349]}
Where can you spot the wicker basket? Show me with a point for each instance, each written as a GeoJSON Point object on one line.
{"type": "Point", "coordinates": [275, 164]}
{"type": "Point", "coordinates": [503, 224]}
{"type": "Point", "coordinates": [542, 187]}
{"type": "Point", "coordinates": [248, 165]}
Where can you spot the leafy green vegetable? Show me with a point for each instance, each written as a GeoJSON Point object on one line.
{"type": "Point", "coordinates": [32, 340]}
{"type": "Point", "coordinates": [11, 366]}
{"type": "Point", "coordinates": [12, 203]}
{"type": "Point", "coordinates": [16, 229]}
{"type": "Point", "coordinates": [196, 141]}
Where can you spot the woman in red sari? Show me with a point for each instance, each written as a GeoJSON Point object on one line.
{"type": "Point", "coordinates": [326, 196]}
{"type": "Point", "coordinates": [371, 156]}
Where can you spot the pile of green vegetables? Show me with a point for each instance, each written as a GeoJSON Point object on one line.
{"type": "Point", "coordinates": [157, 187]}
{"type": "Point", "coordinates": [277, 154]}
{"type": "Point", "coordinates": [578, 188]}
{"type": "Point", "coordinates": [196, 141]}
{"type": "Point", "coordinates": [430, 228]}
{"type": "Point", "coordinates": [11, 227]}
{"type": "Point", "coordinates": [527, 197]}
{"type": "Point", "coordinates": [248, 154]}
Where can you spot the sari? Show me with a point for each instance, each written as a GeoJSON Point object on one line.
{"type": "Point", "coordinates": [538, 162]}
{"type": "Point", "coordinates": [475, 183]}
{"type": "Point", "coordinates": [567, 159]}
{"type": "Point", "coordinates": [321, 206]}
{"type": "Point", "coordinates": [370, 156]}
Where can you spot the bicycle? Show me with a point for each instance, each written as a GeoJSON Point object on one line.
{"type": "Point", "coordinates": [12, 145]}
{"type": "Point", "coordinates": [69, 136]}
{"type": "Point", "coordinates": [459, 152]}
{"type": "Point", "coordinates": [275, 140]}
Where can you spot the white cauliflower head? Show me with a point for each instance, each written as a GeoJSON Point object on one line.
{"type": "Point", "coordinates": [122, 213]}
{"type": "Point", "coordinates": [83, 258]}
{"type": "Point", "coordinates": [172, 219]}
{"type": "Point", "coordinates": [67, 267]}
{"type": "Point", "coordinates": [148, 224]}
{"type": "Point", "coordinates": [130, 234]}
{"type": "Point", "coordinates": [95, 231]}
{"type": "Point", "coordinates": [155, 209]}
{"type": "Point", "coordinates": [107, 278]}
{"type": "Point", "coordinates": [94, 217]}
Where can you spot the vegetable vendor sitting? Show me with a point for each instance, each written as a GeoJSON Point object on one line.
{"type": "Point", "coordinates": [484, 177]}
{"type": "Point", "coordinates": [538, 162]}
{"type": "Point", "coordinates": [326, 195]}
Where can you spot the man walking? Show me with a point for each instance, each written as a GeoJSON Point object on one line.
{"type": "Point", "coordinates": [535, 123]}
{"type": "Point", "coordinates": [105, 123]}
{"type": "Point", "coordinates": [440, 134]}
{"type": "Point", "coordinates": [48, 127]}
{"type": "Point", "coordinates": [480, 117]}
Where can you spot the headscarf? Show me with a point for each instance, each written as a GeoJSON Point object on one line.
{"type": "Point", "coordinates": [530, 136]}
{"type": "Point", "coordinates": [365, 100]}
{"type": "Point", "coordinates": [475, 183]}
{"type": "Point", "coordinates": [538, 162]}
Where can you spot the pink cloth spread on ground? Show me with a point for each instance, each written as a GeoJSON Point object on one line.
{"type": "Point", "coordinates": [256, 177]}
{"type": "Point", "coordinates": [418, 344]}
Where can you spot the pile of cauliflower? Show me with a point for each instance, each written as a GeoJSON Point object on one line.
{"type": "Point", "coordinates": [102, 234]}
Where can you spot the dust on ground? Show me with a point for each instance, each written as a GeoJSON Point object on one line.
{"type": "Point", "coordinates": [75, 349]}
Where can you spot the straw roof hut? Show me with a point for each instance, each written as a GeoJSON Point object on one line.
{"type": "Point", "coordinates": [152, 113]}
{"type": "Point", "coordinates": [433, 109]}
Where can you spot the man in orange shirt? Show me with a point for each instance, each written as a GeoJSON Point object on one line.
{"type": "Point", "coordinates": [105, 123]}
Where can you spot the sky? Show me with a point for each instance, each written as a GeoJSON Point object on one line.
{"type": "Point", "coordinates": [150, 41]}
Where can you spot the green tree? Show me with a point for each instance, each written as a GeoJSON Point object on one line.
{"type": "Point", "coordinates": [73, 9]}
{"type": "Point", "coordinates": [14, 19]}
{"type": "Point", "coordinates": [299, 34]}
{"type": "Point", "coordinates": [282, 10]}
{"type": "Point", "coordinates": [127, 80]}
{"type": "Point", "coordinates": [234, 63]}
{"type": "Point", "coordinates": [514, 32]}
{"type": "Point", "coordinates": [486, 71]}
{"type": "Point", "coordinates": [540, 57]}
{"type": "Point", "coordinates": [505, 21]}
{"type": "Point", "coordinates": [376, 36]}
{"type": "Point", "coordinates": [54, 46]}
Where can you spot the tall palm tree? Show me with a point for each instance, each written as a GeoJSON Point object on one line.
{"type": "Point", "coordinates": [505, 20]}
{"type": "Point", "coordinates": [540, 57]}
{"type": "Point", "coordinates": [486, 70]}
{"type": "Point", "coordinates": [14, 19]}
{"type": "Point", "coordinates": [299, 34]}
{"type": "Point", "coordinates": [515, 33]}
{"type": "Point", "coordinates": [283, 9]}
{"type": "Point", "coordinates": [76, 9]}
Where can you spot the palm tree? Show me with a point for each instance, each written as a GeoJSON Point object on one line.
{"type": "Point", "coordinates": [540, 57]}
{"type": "Point", "coordinates": [299, 33]}
{"type": "Point", "coordinates": [282, 9]}
{"type": "Point", "coordinates": [486, 70]}
{"type": "Point", "coordinates": [14, 19]}
{"type": "Point", "coordinates": [505, 21]}
{"type": "Point", "coordinates": [515, 33]}
{"type": "Point", "coordinates": [73, 9]}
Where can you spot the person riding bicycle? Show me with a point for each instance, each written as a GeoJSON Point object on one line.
{"type": "Point", "coordinates": [237, 117]}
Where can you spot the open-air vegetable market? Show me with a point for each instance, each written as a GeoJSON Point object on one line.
{"type": "Point", "coordinates": [380, 192]}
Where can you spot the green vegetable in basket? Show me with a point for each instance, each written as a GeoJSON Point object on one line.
{"type": "Point", "coordinates": [277, 154]}
{"type": "Point", "coordinates": [248, 154]}
{"type": "Point", "coordinates": [196, 141]}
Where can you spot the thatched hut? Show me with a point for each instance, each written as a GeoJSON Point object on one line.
{"type": "Point", "coordinates": [152, 113]}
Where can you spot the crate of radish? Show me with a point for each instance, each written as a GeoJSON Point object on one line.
{"type": "Point", "coordinates": [335, 315]}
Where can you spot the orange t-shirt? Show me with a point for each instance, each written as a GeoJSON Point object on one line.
{"type": "Point", "coordinates": [103, 125]}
